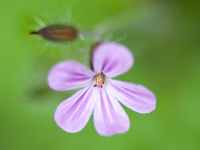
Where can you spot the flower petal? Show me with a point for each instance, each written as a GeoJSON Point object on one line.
{"type": "Point", "coordinates": [112, 59]}
{"type": "Point", "coordinates": [133, 96]}
{"type": "Point", "coordinates": [73, 113]}
{"type": "Point", "coordinates": [68, 75]}
{"type": "Point", "coordinates": [109, 116]}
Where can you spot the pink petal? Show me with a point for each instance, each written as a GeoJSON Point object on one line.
{"type": "Point", "coordinates": [68, 75]}
{"type": "Point", "coordinates": [109, 116]}
{"type": "Point", "coordinates": [133, 96]}
{"type": "Point", "coordinates": [112, 59]}
{"type": "Point", "coordinates": [73, 113]}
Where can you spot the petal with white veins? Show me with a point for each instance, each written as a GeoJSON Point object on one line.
{"type": "Point", "coordinates": [73, 113]}
{"type": "Point", "coordinates": [133, 96]}
{"type": "Point", "coordinates": [68, 75]}
{"type": "Point", "coordinates": [112, 59]}
{"type": "Point", "coordinates": [109, 116]}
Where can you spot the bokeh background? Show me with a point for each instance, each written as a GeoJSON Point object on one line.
{"type": "Point", "coordinates": [164, 38]}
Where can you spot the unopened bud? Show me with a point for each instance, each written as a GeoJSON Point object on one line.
{"type": "Point", "coordinates": [57, 33]}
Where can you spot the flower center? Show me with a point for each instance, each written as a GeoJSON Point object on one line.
{"type": "Point", "coordinates": [99, 80]}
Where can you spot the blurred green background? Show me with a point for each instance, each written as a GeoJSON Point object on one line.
{"type": "Point", "coordinates": [164, 38]}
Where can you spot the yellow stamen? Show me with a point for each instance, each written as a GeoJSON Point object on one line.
{"type": "Point", "coordinates": [99, 80]}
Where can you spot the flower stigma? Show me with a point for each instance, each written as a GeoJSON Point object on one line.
{"type": "Point", "coordinates": [99, 81]}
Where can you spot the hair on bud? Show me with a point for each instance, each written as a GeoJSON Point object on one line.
{"type": "Point", "coordinates": [57, 33]}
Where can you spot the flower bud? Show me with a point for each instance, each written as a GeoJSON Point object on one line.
{"type": "Point", "coordinates": [58, 33]}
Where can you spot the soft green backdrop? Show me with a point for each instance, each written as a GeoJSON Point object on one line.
{"type": "Point", "coordinates": [164, 38]}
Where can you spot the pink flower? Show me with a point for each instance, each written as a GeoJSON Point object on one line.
{"type": "Point", "coordinates": [100, 93]}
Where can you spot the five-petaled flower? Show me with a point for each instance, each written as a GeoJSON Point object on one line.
{"type": "Point", "coordinates": [100, 93]}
